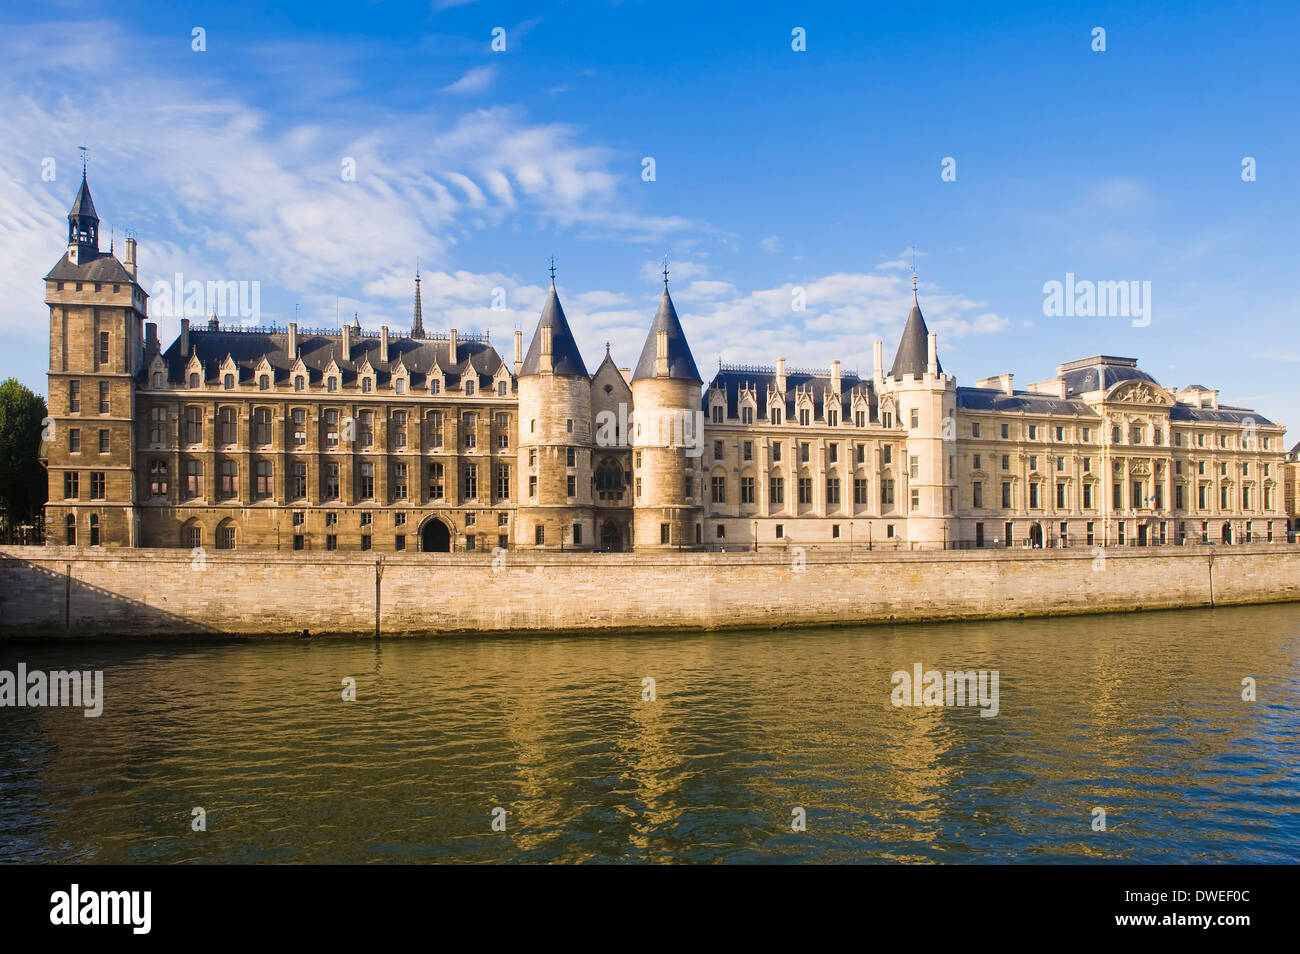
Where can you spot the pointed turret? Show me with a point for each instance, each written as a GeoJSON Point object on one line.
{"type": "Point", "coordinates": [83, 225]}
{"type": "Point", "coordinates": [666, 352]}
{"type": "Point", "coordinates": [912, 358]}
{"type": "Point", "coordinates": [417, 323]}
{"type": "Point", "coordinates": [553, 348]}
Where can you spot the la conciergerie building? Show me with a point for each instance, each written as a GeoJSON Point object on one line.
{"type": "Point", "coordinates": [349, 439]}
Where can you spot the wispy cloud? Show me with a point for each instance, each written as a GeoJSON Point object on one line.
{"type": "Point", "coordinates": [476, 80]}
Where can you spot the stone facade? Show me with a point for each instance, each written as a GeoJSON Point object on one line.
{"type": "Point", "coordinates": [343, 439]}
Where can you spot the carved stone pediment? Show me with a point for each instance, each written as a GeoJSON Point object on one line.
{"type": "Point", "coordinates": [1140, 392]}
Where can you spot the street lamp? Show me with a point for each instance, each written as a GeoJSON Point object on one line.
{"type": "Point", "coordinates": [755, 536]}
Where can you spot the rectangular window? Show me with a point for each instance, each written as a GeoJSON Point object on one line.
{"type": "Point", "coordinates": [746, 490]}
{"type": "Point", "coordinates": [914, 467]}
{"type": "Point", "coordinates": [97, 484]}
{"type": "Point", "coordinates": [398, 491]}
{"type": "Point", "coordinates": [262, 484]}
{"type": "Point", "coordinates": [503, 482]}
{"type": "Point", "coordinates": [1004, 432]}
{"type": "Point", "coordinates": [1087, 497]}
{"type": "Point", "coordinates": [532, 485]}
{"type": "Point", "coordinates": [776, 452]}
{"type": "Point", "coordinates": [886, 493]}
{"type": "Point", "coordinates": [1033, 496]}
{"type": "Point", "coordinates": [103, 397]}
{"type": "Point", "coordinates": [832, 491]}
{"type": "Point", "coordinates": [1060, 496]}
{"type": "Point", "coordinates": [975, 429]}
{"type": "Point", "coordinates": [803, 452]}
{"type": "Point", "coordinates": [366, 482]}
{"type": "Point", "coordinates": [776, 491]}
{"type": "Point", "coordinates": [74, 397]}
{"type": "Point", "coordinates": [1006, 495]}
{"type": "Point", "coordinates": [74, 440]}
{"type": "Point", "coordinates": [71, 489]}
{"type": "Point", "coordinates": [571, 485]}
{"type": "Point", "coordinates": [469, 482]}
{"type": "Point", "coordinates": [103, 348]}
{"type": "Point", "coordinates": [331, 488]}
{"type": "Point", "coordinates": [719, 489]}
{"type": "Point", "coordinates": [663, 533]}
{"type": "Point", "coordinates": [833, 453]}
{"type": "Point", "coordinates": [860, 491]}
{"type": "Point", "coordinates": [977, 495]}
{"type": "Point", "coordinates": [916, 500]}
{"type": "Point", "coordinates": [805, 490]}
{"type": "Point", "coordinates": [747, 450]}
{"type": "Point", "coordinates": [915, 418]}
{"type": "Point", "coordinates": [571, 457]}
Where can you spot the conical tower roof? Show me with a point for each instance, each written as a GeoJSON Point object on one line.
{"type": "Point", "coordinates": [681, 364]}
{"type": "Point", "coordinates": [83, 206]}
{"type": "Point", "coordinates": [913, 347]}
{"type": "Point", "coordinates": [565, 357]}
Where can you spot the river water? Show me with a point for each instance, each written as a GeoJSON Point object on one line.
{"type": "Point", "coordinates": [1139, 715]}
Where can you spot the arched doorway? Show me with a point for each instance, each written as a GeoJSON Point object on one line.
{"type": "Point", "coordinates": [1227, 533]}
{"type": "Point", "coordinates": [611, 538]}
{"type": "Point", "coordinates": [435, 537]}
{"type": "Point", "coordinates": [1035, 534]}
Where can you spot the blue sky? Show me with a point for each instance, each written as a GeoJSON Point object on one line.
{"type": "Point", "coordinates": [774, 170]}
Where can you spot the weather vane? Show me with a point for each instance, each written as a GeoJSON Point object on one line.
{"type": "Point", "coordinates": [665, 270]}
{"type": "Point", "coordinates": [83, 160]}
{"type": "Point", "coordinates": [552, 269]}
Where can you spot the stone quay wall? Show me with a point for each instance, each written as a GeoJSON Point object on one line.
{"type": "Point", "coordinates": [93, 592]}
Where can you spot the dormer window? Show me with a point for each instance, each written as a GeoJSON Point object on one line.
{"type": "Point", "coordinates": [228, 382]}
{"type": "Point", "coordinates": [367, 385]}
{"type": "Point", "coordinates": [331, 383]}
{"type": "Point", "coordinates": [832, 418]}
{"type": "Point", "coordinates": [298, 382]}
{"type": "Point", "coordinates": [435, 386]}
{"type": "Point", "coordinates": [263, 382]}
{"type": "Point", "coordinates": [747, 415]}
{"type": "Point", "coordinates": [717, 414]}
{"type": "Point", "coordinates": [501, 389]}
{"type": "Point", "coordinates": [157, 379]}
{"type": "Point", "coordinates": [194, 379]}
{"type": "Point", "coordinates": [400, 385]}
{"type": "Point", "coordinates": [777, 414]}
{"type": "Point", "coordinates": [805, 416]}
{"type": "Point", "coordinates": [469, 386]}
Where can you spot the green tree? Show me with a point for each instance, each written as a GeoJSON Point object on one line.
{"type": "Point", "coordinates": [23, 484]}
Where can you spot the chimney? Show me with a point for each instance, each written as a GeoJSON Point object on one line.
{"type": "Point", "coordinates": [661, 354]}
{"type": "Point", "coordinates": [877, 359]}
{"type": "Point", "coordinates": [151, 345]}
{"type": "Point", "coordinates": [293, 340]}
{"type": "Point", "coordinates": [932, 354]}
{"type": "Point", "coordinates": [383, 342]}
{"type": "Point", "coordinates": [451, 346]}
{"type": "Point", "coordinates": [1005, 380]}
{"type": "Point", "coordinates": [347, 342]}
{"type": "Point", "coordinates": [835, 377]}
{"type": "Point", "coordinates": [545, 363]}
{"type": "Point", "coordinates": [185, 337]}
{"type": "Point", "coordinates": [519, 351]}
{"type": "Point", "coordinates": [129, 261]}
{"type": "Point", "coordinates": [780, 377]}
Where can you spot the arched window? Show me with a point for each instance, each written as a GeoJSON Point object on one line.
{"type": "Point", "coordinates": [609, 480]}
{"type": "Point", "coordinates": [228, 382]}
{"type": "Point", "coordinates": [226, 535]}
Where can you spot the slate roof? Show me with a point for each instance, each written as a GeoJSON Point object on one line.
{"type": "Point", "coordinates": [993, 399]}
{"type": "Point", "coordinates": [1103, 377]}
{"type": "Point", "coordinates": [565, 356]}
{"type": "Point", "coordinates": [681, 364]}
{"type": "Point", "coordinates": [103, 268]}
{"type": "Point", "coordinates": [247, 348]}
{"type": "Point", "coordinates": [1218, 415]}
{"type": "Point", "coordinates": [735, 380]}
{"type": "Point", "coordinates": [914, 347]}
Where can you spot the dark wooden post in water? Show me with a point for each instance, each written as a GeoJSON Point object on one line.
{"type": "Point", "coordinates": [379, 575]}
